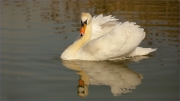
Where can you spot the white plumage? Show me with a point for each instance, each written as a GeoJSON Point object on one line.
{"type": "Point", "coordinates": [105, 38]}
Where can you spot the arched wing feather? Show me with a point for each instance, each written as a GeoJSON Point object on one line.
{"type": "Point", "coordinates": [102, 25]}
{"type": "Point", "coordinates": [121, 40]}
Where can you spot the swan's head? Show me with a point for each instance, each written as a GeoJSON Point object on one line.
{"type": "Point", "coordinates": [85, 20]}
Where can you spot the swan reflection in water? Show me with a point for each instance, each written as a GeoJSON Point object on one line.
{"type": "Point", "coordinates": [115, 74]}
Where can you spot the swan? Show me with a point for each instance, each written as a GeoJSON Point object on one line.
{"type": "Point", "coordinates": [104, 38]}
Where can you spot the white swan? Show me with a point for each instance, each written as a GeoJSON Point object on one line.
{"type": "Point", "coordinates": [103, 38]}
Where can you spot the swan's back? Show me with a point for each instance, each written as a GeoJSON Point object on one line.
{"type": "Point", "coordinates": [120, 41]}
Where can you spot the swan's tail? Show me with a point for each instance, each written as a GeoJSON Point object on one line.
{"type": "Point", "coordinates": [141, 51]}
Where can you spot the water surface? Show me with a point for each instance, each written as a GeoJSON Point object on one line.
{"type": "Point", "coordinates": [35, 33]}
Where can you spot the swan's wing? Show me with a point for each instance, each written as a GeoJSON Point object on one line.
{"type": "Point", "coordinates": [102, 25]}
{"type": "Point", "coordinates": [123, 39]}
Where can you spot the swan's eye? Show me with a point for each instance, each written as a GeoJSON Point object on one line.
{"type": "Point", "coordinates": [85, 22]}
{"type": "Point", "coordinates": [82, 23]}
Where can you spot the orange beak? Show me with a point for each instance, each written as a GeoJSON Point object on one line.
{"type": "Point", "coordinates": [82, 30]}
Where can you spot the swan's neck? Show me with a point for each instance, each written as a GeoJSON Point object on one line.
{"type": "Point", "coordinates": [84, 39]}
{"type": "Point", "coordinates": [70, 52]}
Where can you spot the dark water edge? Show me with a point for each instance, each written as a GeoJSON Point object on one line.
{"type": "Point", "coordinates": [35, 33]}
